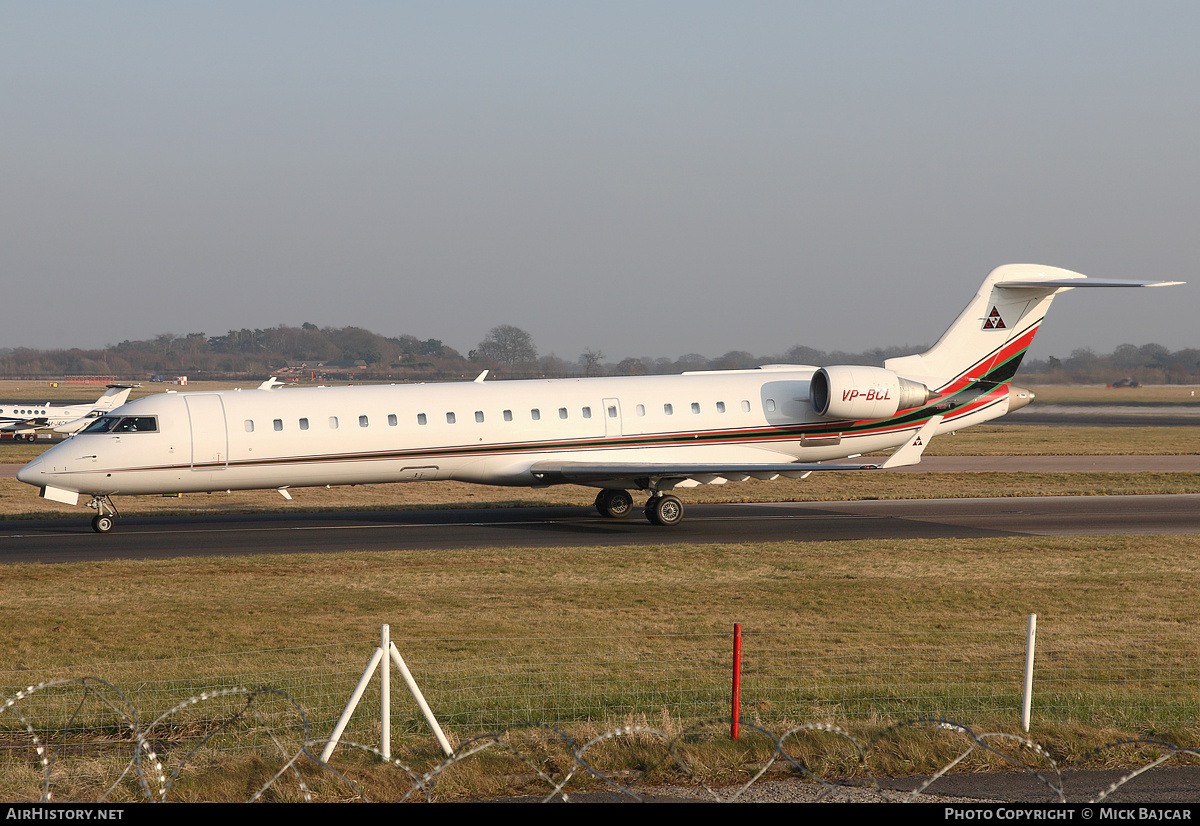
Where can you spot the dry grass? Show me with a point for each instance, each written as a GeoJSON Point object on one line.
{"type": "Point", "coordinates": [131, 621]}
{"type": "Point", "coordinates": [1025, 440]}
{"type": "Point", "coordinates": [122, 610]}
{"type": "Point", "coordinates": [1098, 394]}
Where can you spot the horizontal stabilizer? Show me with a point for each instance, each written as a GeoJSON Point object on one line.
{"type": "Point", "coordinates": [1071, 283]}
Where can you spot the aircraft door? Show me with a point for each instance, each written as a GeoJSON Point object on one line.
{"type": "Point", "coordinates": [612, 418]}
{"type": "Point", "coordinates": [210, 438]}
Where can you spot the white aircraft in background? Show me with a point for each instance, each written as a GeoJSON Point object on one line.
{"type": "Point", "coordinates": [25, 419]}
{"type": "Point", "coordinates": [652, 434]}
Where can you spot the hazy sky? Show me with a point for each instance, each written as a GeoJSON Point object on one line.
{"type": "Point", "coordinates": [647, 178]}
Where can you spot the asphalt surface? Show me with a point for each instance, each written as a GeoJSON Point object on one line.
{"type": "Point", "coordinates": [69, 540]}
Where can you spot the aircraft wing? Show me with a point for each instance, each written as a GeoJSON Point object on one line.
{"type": "Point", "coordinates": [25, 424]}
{"type": "Point", "coordinates": [688, 474]}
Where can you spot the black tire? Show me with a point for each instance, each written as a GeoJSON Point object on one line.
{"type": "Point", "coordinates": [102, 524]}
{"type": "Point", "coordinates": [615, 504]}
{"type": "Point", "coordinates": [664, 511]}
{"type": "Point", "coordinates": [602, 502]}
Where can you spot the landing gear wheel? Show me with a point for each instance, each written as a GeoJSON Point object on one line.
{"type": "Point", "coordinates": [664, 511]}
{"type": "Point", "coordinates": [32, 437]}
{"type": "Point", "coordinates": [106, 513]}
{"type": "Point", "coordinates": [615, 504]}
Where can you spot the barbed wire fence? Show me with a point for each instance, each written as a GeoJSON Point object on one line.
{"type": "Point", "coordinates": [543, 710]}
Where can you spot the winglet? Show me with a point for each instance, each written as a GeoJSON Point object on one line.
{"type": "Point", "coordinates": [910, 453]}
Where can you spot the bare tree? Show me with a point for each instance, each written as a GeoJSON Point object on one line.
{"type": "Point", "coordinates": [590, 361]}
{"type": "Point", "coordinates": [508, 345]}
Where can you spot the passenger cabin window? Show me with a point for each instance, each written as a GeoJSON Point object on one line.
{"type": "Point", "coordinates": [562, 412]}
{"type": "Point", "coordinates": [641, 410]}
{"type": "Point", "coordinates": [333, 422]}
{"type": "Point", "coordinates": [535, 414]}
{"type": "Point", "coordinates": [668, 409]}
{"type": "Point", "coordinates": [249, 425]}
{"type": "Point", "coordinates": [479, 415]}
{"type": "Point", "coordinates": [587, 412]}
{"type": "Point", "coordinates": [392, 420]}
{"type": "Point", "coordinates": [277, 424]}
{"type": "Point", "coordinates": [421, 419]}
{"type": "Point", "coordinates": [362, 421]}
{"type": "Point", "coordinates": [612, 411]}
{"type": "Point", "coordinates": [449, 418]}
{"type": "Point", "coordinates": [304, 424]}
{"type": "Point", "coordinates": [720, 407]}
{"type": "Point", "coordinates": [770, 405]}
{"type": "Point", "coordinates": [745, 406]}
{"type": "Point", "coordinates": [508, 415]}
{"type": "Point", "coordinates": [695, 407]}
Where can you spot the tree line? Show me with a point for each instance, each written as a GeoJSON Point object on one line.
{"type": "Point", "coordinates": [308, 351]}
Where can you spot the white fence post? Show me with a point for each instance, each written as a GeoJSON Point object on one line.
{"type": "Point", "coordinates": [1027, 699]}
{"type": "Point", "coordinates": [385, 652]}
{"type": "Point", "coordinates": [385, 693]}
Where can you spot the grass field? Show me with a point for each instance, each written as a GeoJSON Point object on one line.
{"type": "Point", "coordinates": [504, 622]}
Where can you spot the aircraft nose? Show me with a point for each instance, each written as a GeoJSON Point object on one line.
{"type": "Point", "coordinates": [31, 474]}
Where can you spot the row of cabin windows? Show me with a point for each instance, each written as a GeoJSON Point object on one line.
{"type": "Point", "coordinates": [535, 414]}
{"type": "Point", "coordinates": [669, 409]}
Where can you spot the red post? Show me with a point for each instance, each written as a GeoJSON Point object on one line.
{"type": "Point", "coordinates": [737, 679]}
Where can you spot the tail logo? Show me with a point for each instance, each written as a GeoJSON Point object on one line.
{"type": "Point", "coordinates": [994, 321]}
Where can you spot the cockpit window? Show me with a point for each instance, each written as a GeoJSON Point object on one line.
{"type": "Point", "coordinates": [102, 425]}
{"type": "Point", "coordinates": [137, 424]}
{"type": "Point", "coordinates": [126, 424]}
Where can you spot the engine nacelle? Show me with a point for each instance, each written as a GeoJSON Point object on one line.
{"type": "Point", "coordinates": [856, 392]}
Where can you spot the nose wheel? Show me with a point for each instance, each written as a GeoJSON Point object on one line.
{"type": "Point", "coordinates": [106, 514]}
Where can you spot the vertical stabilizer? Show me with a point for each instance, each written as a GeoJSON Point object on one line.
{"type": "Point", "coordinates": [114, 396]}
{"type": "Point", "coordinates": [988, 339]}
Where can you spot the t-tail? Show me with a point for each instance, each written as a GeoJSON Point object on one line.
{"type": "Point", "coordinates": [985, 344]}
{"type": "Point", "coordinates": [115, 396]}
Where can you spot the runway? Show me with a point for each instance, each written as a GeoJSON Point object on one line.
{"type": "Point", "coordinates": [72, 540]}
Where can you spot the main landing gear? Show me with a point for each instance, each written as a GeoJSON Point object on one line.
{"type": "Point", "coordinates": [662, 509]}
{"type": "Point", "coordinates": [106, 514]}
{"type": "Point", "coordinates": [615, 504]}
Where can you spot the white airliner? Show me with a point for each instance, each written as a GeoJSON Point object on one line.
{"type": "Point", "coordinates": [26, 419]}
{"type": "Point", "coordinates": [646, 433]}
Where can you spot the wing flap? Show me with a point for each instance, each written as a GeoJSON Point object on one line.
{"type": "Point", "coordinates": [661, 474]}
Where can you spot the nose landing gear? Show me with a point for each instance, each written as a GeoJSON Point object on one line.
{"type": "Point", "coordinates": [106, 514]}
